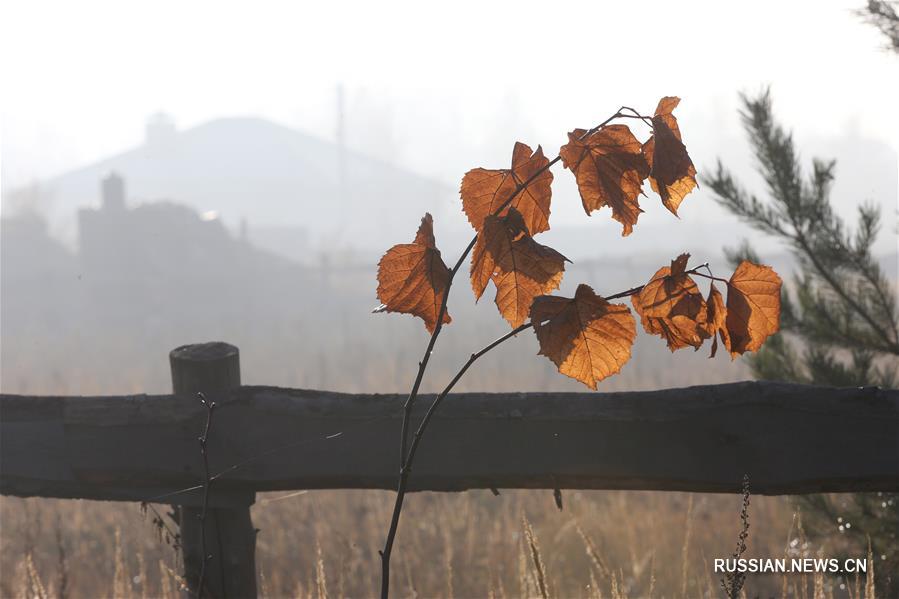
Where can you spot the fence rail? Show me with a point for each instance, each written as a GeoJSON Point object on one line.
{"type": "Point", "coordinates": [790, 439]}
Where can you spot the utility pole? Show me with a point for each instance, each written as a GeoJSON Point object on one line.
{"type": "Point", "coordinates": [341, 151]}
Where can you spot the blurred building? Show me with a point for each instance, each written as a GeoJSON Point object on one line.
{"type": "Point", "coordinates": [158, 253]}
{"type": "Point", "coordinates": [289, 192]}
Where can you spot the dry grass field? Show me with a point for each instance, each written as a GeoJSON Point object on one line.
{"type": "Point", "coordinates": [324, 544]}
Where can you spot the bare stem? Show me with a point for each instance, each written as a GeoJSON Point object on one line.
{"type": "Point", "coordinates": [406, 469]}
{"type": "Point", "coordinates": [474, 357]}
{"type": "Point", "coordinates": [405, 455]}
{"type": "Point", "coordinates": [207, 482]}
{"type": "Point", "coordinates": [635, 115]}
{"type": "Point", "coordinates": [711, 277]}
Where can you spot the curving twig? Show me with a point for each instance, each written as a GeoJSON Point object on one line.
{"type": "Point", "coordinates": [416, 439]}
{"type": "Point", "coordinates": [423, 363]}
{"type": "Point", "coordinates": [207, 483]}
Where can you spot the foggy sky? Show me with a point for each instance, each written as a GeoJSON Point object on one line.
{"type": "Point", "coordinates": [439, 90]}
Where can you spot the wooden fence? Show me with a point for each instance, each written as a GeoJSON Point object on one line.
{"type": "Point", "coordinates": [789, 439]}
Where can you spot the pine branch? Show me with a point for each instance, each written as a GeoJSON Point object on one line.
{"type": "Point", "coordinates": [846, 300]}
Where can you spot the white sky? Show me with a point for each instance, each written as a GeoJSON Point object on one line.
{"type": "Point", "coordinates": [436, 88]}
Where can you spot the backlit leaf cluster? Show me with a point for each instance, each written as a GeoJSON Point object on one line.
{"type": "Point", "coordinates": [587, 337]}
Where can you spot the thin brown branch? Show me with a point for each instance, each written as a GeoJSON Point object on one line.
{"type": "Point", "coordinates": [423, 363]}
{"type": "Point", "coordinates": [639, 288]}
{"type": "Point", "coordinates": [711, 277]}
{"type": "Point", "coordinates": [207, 483]}
{"type": "Point", "coordinates": [635, 115]}
{"type": "Point", "coordinates": [406, 468]}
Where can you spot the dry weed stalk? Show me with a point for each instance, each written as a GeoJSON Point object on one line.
{"type": "Point", "coordinates": [35, 585]}
{"type": "Point", "coordinates": [803, 545]}
{"type": "Point", "coordinates": [524, 579]}
{"type": "Point", "coordinates": [121, 587]}
{"type": "Point", "coordinates": [539, 570]}
{"type": "Point", "coordinates": [169, 573]}
{"type": "Point", "coordinates": [732, 583]}
{"type": "Point", "coordinates": [685, 552]}
{"type": "Point", "coordinates": [448, 551]}
{"type": "Point", "coordinates": [616, 592]}
{"type": "Point", "coordinates": [783, 589]}
{"type": "Point", "coordinates": [142, 575]}
{"type": "Point", "coordinates": [869, 576]}
{"type": "Point", "coordinates": [818, 582]}
{"type": "Point", "coordinates": [321, 581]}
{"type": "Point", "coordinates": [62, 565]}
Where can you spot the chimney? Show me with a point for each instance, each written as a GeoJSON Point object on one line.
{"type": "Point", "coordinates": [112, 190]}
{"type": "Point", "coordinates": [244, 235]}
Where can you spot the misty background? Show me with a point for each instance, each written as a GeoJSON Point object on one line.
{"type": "Point", "coordinates": [176, 173]}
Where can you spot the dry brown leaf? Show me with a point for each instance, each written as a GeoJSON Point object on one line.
{"type": "Point", "coordinates": [484, 191]}
{"type": "Point", "coordinates": [588, 338]}
{"type": "Point", "coordinates": [665, 289]}
{"type": "Point", "coordinates": [412, 277]}
{"type": "Point", "coordinates": [716, 319]}
{"type": "Point", "coordinates": [753, 306]}
{"type": "Point", "coordinates": [520, 268]}
{"type": "Point", "coordinates": [671, 306]}
{"type": "Point", "coordinates": [678, 331]}
{"type": "Point", "coordinates": [609, 167]}
{"type": "Point", "coordinates": [672, 174]}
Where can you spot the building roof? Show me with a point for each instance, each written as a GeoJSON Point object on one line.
{"type": "Point", "coordinates": [268, 174]}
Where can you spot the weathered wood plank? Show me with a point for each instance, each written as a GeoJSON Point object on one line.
{"type": "Point", "coordinates": [789, 438]}
{"type": "Point", "coordinates": [218, 545]}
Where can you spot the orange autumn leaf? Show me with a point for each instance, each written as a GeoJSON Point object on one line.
{"type": "Point", "coordinates": [412, 277]}
{"type": "Point", "coordinates": [716, 319]}
{"type": "Point", "coordinates": [665, 289]}
{"type": "Point", "coordinates": [671, 306]}
{"type": "Point", "coordinates": [588, 338]}
{"type": "Point", "coordinates": [678, 331]}
{"type": "Point", "coordinates": [609, 167]}
{"type": "Point", "coordinates": [520, 268]}
{"type": "Point", "coordinates": [753, 306]}
{"type": "Point", "coordinates": [672, 174]}
{"type": "Point", "coordinates": [483, 191]}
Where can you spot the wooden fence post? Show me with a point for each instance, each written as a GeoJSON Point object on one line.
{"type": "Point", "coordinates": [213, 369]}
